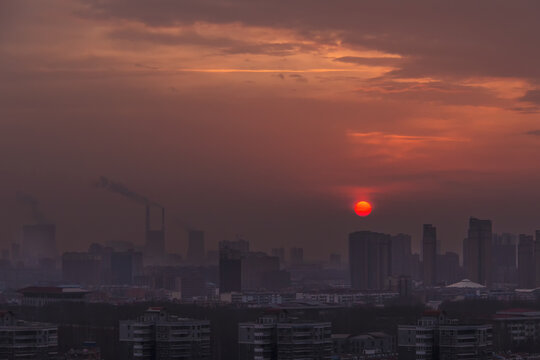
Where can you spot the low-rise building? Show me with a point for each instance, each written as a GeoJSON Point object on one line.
{"type": "Point", "coordinates": [517, 329]}
{"type": "Point", "coordinates": [26, 340]}
{"type": "Point", "coordinates": [43, 295]}
{"type": "Point", "coordinates": [371, 345]}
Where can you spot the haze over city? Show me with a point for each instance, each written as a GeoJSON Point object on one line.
{"type": "Point", "coordinates": [269, 120]}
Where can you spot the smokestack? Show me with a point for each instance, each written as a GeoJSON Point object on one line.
{"type": "Point", "coordinates": [163, 219]}
{"type": "Point", "coordinates": [147, 218]}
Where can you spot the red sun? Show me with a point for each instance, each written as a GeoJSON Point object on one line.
{"type": "Point", "coordinates": [362, 208]}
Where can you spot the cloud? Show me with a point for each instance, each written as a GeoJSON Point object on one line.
{"type": "Point", "coordinates": [492, 39]}
{"type": "Point", "coordinates": [533, 132]}
{"type": "Point", "coordinates": [531, 96]}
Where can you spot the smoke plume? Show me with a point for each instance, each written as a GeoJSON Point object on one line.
{"type": "Point", "coordinates": [119, 188]}
{"type": "Point", "coordinates": [33, 203]}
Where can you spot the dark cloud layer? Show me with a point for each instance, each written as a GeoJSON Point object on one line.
{"type": "Point", "coordinates": [449, 38]}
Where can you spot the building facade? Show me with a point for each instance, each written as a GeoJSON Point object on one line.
{"type": "Point", "coordinates": [26, 340]}
{"type": "Point", "coordinates": [429, 254]}
{"type": "Point", "coordinates": [157, 335]}
{"type": "Point", "coordinates": [369, 260]}
{"type": "Point", "coordinates": [277, 336]}
{"type": "Point", "coordinates": [435, 336]}
{"type": "Point", "coordinates": [477, 258]}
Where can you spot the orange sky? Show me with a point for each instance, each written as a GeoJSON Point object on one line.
{"type": "Point", "coordinates": [269, 119]}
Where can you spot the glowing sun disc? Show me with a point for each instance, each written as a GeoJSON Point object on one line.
{"type": "Point", "coordinates": [362, 208]}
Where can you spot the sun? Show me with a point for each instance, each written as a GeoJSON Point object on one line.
{"type": "Point", "coordinates": [362, 208]}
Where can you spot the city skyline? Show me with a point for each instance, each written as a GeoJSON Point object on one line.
{"type": "Point", "coordinates": [270, 121]}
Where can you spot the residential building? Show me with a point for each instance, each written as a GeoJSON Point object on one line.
{"type": "Point", "coordinates": [278, 336]}
{"type": "Point", "coordinates": [158, 335]}
{"type": "Point", "coordinates": [26, 340]}
{"type": "Point", "coordinates": [435, 336]}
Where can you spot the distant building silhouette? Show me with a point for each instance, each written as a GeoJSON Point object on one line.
{"type": "Point", "coordinates": [429, 254]}
{"type": "Point", "coordinates": [504, 266]}
{"type": "Point", "coordinates": [401, 256]}
{"type": "Point", "coordinates": [196, 252]}
{"type": "Point", "coordinates": [126, 266]}
{"type": "Point", "coordinates": [369, 260]}
{"type": "Point", "coordinates": [39, 242]}
{"type": "Point", "coordinates": [280, 253]}
{"type": "Point", "coordinates": [477, 251]}
{"type": "Point", "coordinates": [537, 260]}
{"type": "Point", "coordinates": [155, 239]}
{"type": "Point", "coordinates": [526, 266]}
{"type": "Point", "coordinates": [297, 256]}
{"type": "Point", "coordinates": [448, 269]}
{"type": "Point", "coordinates": [230, 264]}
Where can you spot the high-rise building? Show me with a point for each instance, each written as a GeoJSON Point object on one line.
{"type": "Point", "coordinates": [158, 335]}
{"type": "Point", "coordinates": [537, 259]}
{"type": "Point", "coordinates": [435, 336]}
{"type": "Point", "coordinates": [280, 253]}
{"type": "Point", "coordinates": [231, 254]}
{"type": "Point", "coordinates": [275, 335]}
{"type": "Point", "coordinates": [448, 269]}
{"type": "Point", "coordinates": [477, 251]}
{"type": "Point", "coordinates": [196, 252]}
{"type": "Point", "coordinates": [297, 256]}
{"type": "Point", "coordinates": [369, 260]}
{"type": "Point", "coordinates": [504, 266]}
{"type": "Point", "coordinates": [254, 267]}
{"type": "Point", "coordinates": [81, 268]}
{"type": "Point", "coordinates": [401, 255]}
{"type": "Point", "coordinates": [125, 266]}
{"type": "Point", "coordinates": [155, 239]}
{"type": "Point", "coordinates": [429, 254]}
{"type": "Point", "coordinates": [27, 340]}
{"type": "Point", "coordinates": [526, 265]}
{"type": "Point", "coordinates": [39, 242]}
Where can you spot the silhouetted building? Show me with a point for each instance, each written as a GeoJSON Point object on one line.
{"type": "Point", "coordinates": [231, 254]}
{"type": "Point", "coordinates": [404, 286]}
{"type": "Point", "coordinates": [157, 335]}
{"type": "Point", "coordinates": [196, 252]}
{"type": "Point", "coordinates": [27, 340]}
{"type": "Point", "coordinates": [448, 269]}
{"type": "Point", "coordinates": [81, 268]}
{"type": "Point", "coordinates": [526, 265]}
{"type": "Point", "coordinates": [39, 241]}
{"type": "Point", "coordinates": [297, 256]}
{"type": "Point", "coordinates": [477, 251]}
{"type": "Point", "coordinates": [401, 255]}
{"type": "Point", "coordinates": [335, 260]}
{"type": "Point", "coordinates": [280, 253]}
{"type": "Point", "coordinates": [437, 337]}
{"type": "Point", "coordinates": [154, 248]}
{"type": "Point", "coordinates": [254, 267]}
{"type": "Point", "coordinates": [275, 336]}
{"type": "Point", "coordinates": [504, 267]}
{"type": "Point", "coordinates": [369, 260]}
{"type": "Point", "coordinates": [125, 266]}
{"type": "Point", "coordinates": [537, 259]}
{"type": "Point", "coordinates": [429, 254]}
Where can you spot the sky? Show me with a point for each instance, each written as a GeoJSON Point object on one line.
{"type": "Point", "coordinates": [269, 119]}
